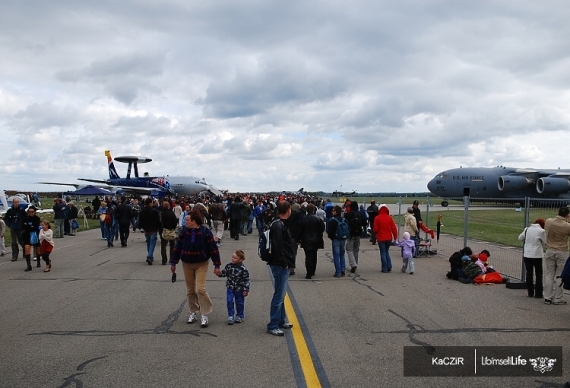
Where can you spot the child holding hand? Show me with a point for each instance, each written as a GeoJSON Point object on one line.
{"type": "Point", "coordinates": [237, 284]}
{"type": "Point", "coordinates": [408, 251]}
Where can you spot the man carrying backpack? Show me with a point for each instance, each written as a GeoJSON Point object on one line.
{"type": "Point", "coordinates": [337, 230]}
{"type": "Point", "coordinates": [280, 261]}
{"type": "Point", "coordinates": [356, 224]}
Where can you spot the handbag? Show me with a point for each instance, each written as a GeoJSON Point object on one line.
{"type": "Point", "coordinates": [102, 217]}
{"type": "Point", "coordinates": [169, 234]}
{"type": "Point", "coordinates": [34, 240]}
{"type": "Point", "coordinates": [74, 224]}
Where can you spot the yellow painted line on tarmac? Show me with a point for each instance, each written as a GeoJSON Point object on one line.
{"type": "Point", "coordinates": [311, 377]}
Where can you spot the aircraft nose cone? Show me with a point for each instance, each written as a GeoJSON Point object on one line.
{"type": "Point", "coordinates": [431, 185]}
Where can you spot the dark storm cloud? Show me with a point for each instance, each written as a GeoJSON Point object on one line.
{"type": "Point", "coordinates": [273, 81]}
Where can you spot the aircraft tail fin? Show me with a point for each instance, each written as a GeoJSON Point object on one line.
{"type": "Point", "coordinates": [3, 201]}
{"type": "Point", "coordinates": [112, 171]}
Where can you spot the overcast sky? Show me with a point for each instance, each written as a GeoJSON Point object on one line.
{"type": "Point", "coordinates": [277, 95]}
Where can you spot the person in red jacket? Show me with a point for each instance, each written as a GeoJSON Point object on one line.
{"type": "Point", "coordinates": [386, 232]}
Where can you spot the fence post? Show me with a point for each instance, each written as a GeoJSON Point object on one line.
{"type": "Point", "coordinates": [526, 217]}
{"type": "Point", "coordinates": [427, 212]}
{"type": "Point", "coordinates": [465, 219]}
{"type": "Point", "coordinates": [399, 213]}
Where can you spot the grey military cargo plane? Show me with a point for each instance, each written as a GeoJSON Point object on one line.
{"type": "Point", "coordinates": [502, 182]}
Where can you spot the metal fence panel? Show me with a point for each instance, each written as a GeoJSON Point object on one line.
{"type": "Point", "coordinates": [490, 223]}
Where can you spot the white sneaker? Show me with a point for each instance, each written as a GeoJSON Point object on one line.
{"type": "Point", "coordinates": [35, 259]}
{"type": "Point", "coordinates": [192, 318]}
{"type": "Point", "coordinates": [204, 321]}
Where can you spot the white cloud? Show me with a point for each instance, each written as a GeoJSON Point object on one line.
{"type": "Point", "coordinates": [265, 95]}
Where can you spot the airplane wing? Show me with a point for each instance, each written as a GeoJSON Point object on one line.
{"type": "Point", "coordinates": [76, 185]}
{"type": "Point", "coordinates": [103, 181]}
{"type": "Point", "coordinates": [127, 189]}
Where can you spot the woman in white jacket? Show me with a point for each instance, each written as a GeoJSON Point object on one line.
{"type": "Point", "coordinates": [534, 238]}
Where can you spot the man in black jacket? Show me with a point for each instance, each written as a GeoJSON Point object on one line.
{"type": "Point", "coordinates": [235, 218]}
{"type": "Point", "coordinates": [149, 221]}
{"type": "Point", "coordinates": [310, 237]}
{"type": "Point", "coordinates": [281, 259]}
{"type": "Point", "coordinates": [123, 215]}
{"type": "Point", "coordinates": [356, 224]}
{"type": "Point", "coordinates": [14, 219]}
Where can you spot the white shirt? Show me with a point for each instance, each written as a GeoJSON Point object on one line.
{"type": "Point", "coordinates": [534, 241]}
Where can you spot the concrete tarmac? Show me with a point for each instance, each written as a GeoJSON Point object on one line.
{"type": "Point", "coordinates": [104, 318]}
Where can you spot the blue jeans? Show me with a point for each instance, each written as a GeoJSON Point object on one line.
{"type": "Point", "coordinates": [338, 256]}
{"type": "Point", "coordinates": [277, 314]}
{"type": "Point", "coordinates": [237, 297]}
{"type": "Point", "coordinates": [135, 223]}
{"type": "Point", "coordinates": [259, 224]}
{"type": "Point", "coordinates": [103, 230]}
{"type": "Point", "coordinates": [385, 255]}
{"type": "Point", "coordinates": [150, 244]}
{"type": "Point", "coordinates": [109, 234]}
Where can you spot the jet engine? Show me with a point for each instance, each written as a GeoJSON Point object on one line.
{"type": "Point", "coordinates": [550, 185]}
{"type": "Point", "coordinates": [514, 182]}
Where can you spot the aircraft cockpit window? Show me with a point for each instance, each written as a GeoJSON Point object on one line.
{"type": "Point", "coordinates": [443, 176]}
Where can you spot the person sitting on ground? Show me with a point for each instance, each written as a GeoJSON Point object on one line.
{"type": "Point", "coordinates": [473, 266]}
{"type": "Point", "coordinates": [456, 263]}
{"type": "Point", "coordinates": [482, 261]}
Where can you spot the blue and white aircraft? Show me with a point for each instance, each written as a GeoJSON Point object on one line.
{"type": "Point", "coordinates": [181, 185]}
{"type": "Point", "coordinates": [155, 186]}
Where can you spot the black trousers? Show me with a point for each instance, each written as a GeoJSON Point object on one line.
{"type": "Point", "coordinates": [45, 257]}
{"type": "Point", "coordinates": [311, 261]}
{"type": "Point", "coordinates": [124, 231]}
{"type": "Point", "coordinates": [234, 227]}
{"type": "Point", "coordinates": [533, 266]}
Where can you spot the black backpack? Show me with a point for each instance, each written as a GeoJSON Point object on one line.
{"type": "Point", "coordinates": [264, 245]}
{"type": "Point", "coordinates": [355, 224]}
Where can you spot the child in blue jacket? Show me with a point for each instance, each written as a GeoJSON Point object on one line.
{"type": "Point", "coordinates": [408, 252]}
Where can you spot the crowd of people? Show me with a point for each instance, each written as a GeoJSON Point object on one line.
{"type": "Point", "coordinates": [191, 231]}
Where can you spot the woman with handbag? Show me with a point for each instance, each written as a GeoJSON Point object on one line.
{"type": "Point", "coordinates": [30, 237]}
{"type": "Point", "coordinates": [195, 246]}
{"type": "Point", "coordinates": [167, 231]}
{"type": "Point", "coordinates": [102, 214]}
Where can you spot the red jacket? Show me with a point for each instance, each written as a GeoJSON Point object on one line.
{"type": "Point", "coordinates": [384, 225]}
